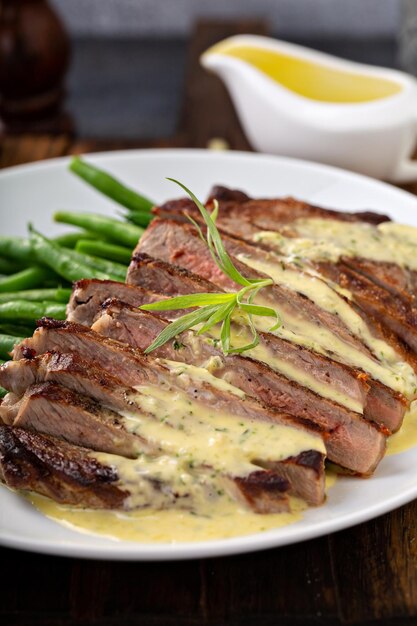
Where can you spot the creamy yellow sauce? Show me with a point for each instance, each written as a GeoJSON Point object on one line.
{"type": "Point", "coordinates": [221, 519]}
{"type": "Point", "coordinates": [198, 450]}
{"type": "Point", "coordinates": [209, 436]}
{"type": "Point", "coordinates": [313, 80]}
{"type": "Point", "coordinates": [225, 519]}
{"type": "Point", "coordinates": [406, 437]}
{"type": "Point", "coordinates": [386, 366]}
{"type": "Point", "coordinates": [321, 239]}
{"type": "Point", "coordinates": [239, 336]}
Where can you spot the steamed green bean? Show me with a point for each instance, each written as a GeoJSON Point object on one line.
{"type": "Point", "coordinates": [25, 279]}
{"type": "Point", "coordinates": [7, 343]}
{"type": "Point", "coordinates": [114, 230]}
{"type": "Point", "coordinates": [104, 250]}
{"type": "Point", "coordinates": [66, 263]}
{"type": "Point", "coordinates": [31, 311]}
{"type": "Point", "coordinates": [37, 295]}
{"type": "Point", "coordinates": [110, 186]}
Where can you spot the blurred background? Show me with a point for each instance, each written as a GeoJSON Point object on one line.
{"type": "Point", "coordinates": [129, 56]}
{"type": "Point", "coordinates": [129, 59]}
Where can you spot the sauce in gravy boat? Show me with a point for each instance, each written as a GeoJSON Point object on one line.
{"type": "Point", "coordinates": [302, 103]}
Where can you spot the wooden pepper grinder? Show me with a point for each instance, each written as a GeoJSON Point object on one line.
{"type": "Point", "coordinates": [34, 58]}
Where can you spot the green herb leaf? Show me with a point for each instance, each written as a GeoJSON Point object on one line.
{"type": "Point", "coordinates": [217, 316]}
{"type": "Point", "coordinates": [178, 326]}
{"type": "Point", "coordinates": [223, 260]}
{"type": "Point", "coordinates": [215, 308]}
{"type": "Point", "coordinates": [186, 302]}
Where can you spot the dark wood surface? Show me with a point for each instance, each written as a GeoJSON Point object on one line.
{"type": "Point", "coordinates": [364, 575]}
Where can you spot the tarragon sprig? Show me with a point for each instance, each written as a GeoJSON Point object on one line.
{"type": "Point", "coordinates": [215, 308]}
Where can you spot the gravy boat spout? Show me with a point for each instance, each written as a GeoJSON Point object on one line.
{"type": "Point", "coordinates": [302, 103]}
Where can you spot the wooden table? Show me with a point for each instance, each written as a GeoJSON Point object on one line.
{"type": "Point", "coordinates": [364, 575]}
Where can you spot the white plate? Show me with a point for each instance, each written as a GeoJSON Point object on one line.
{"type": "Point", "coordinates": [34, 192]}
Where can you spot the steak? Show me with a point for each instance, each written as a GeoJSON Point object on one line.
{"type": "Point", "coordinates": [51, 409]}
{"type": "Point", "coordinates": [391, 311]}
{"type": "Point", "coordinates": [135, 369]}
{"type": "Point", "coordinates": [88, 294]}
{"type": "Point", "coordinates": [266, 213]}
{"type": "Point", "coordinates": [61, 471]}
{"type": "Point", "coordinates": [179, 244]}
{"type": "Point", "coordinates": [379, 403]}
{"type": "Point", "coordinates": [344, 430]}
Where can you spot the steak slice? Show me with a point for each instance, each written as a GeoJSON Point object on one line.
{"type": "Point", "coordinates": [155, 274]}
{"type": "Point", "coordinates": [380, 403]}
{"type": "Point", "coordinates": [401, 282]}
{"type": "Point", "coordinates": [136, 370]}
{"type": "Point", "coordinates": [180, 244]}
{"type": "Point", "coordinates": [88, 295]}
{"type": "Point", "coordinates": [343, 430]}
{"type": "Point", "coordinates": [391, 311]}
{"type": "Point", "coordinates": [69, 370]}
{"type": "Point", "coordinates": [61, 471]}
{"type": "Point", "coordinates": [50, 409]}
{"type": "Point", "coordinates": [73, 475]}
{"type": "Point", "coordinates": [267, 213]}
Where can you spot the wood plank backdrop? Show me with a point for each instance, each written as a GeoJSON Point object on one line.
{"type": "Point", "coordinates": [364, 575]}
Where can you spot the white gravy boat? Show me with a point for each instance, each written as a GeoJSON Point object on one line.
{"type": "Point", "coordinates": [320, 107]}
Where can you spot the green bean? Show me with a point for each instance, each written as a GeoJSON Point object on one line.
{"type": "Point", "coordinates": [25, 279]}
{"type": "Point", "coordinates": [140, 218]}
{"type": "Point", "coordinates": [37, 295]}
{"type": "Point", "coordinates": [114, 230]}
{"type": "Point", "coordinates": [17, 330]}
{"type": "Point", "coordinates": [117, 270]}
{"type": "Point", "coordinates": [9, 267]}
{"type": "Point", "coordinates": [109, 186]}
{"type": "Point", "coordinates": [7, 343]}
{"type": "Point", "coordinates": [17, 248]}
{"type": "Point", "coordinates": [106, 250]}
{"type": "Point", "coordinates": [3, 391]}
{"type": "Point", "coordinates": [69, 240]}
{"type": "Point", "coordinates": [66, 263]}
{"type": "Point", "coordinates": [31, 311]}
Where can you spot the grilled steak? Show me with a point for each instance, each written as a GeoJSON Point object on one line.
{"type": "Point", "coordinates": [51, 409]}
{"type": "Point", "coordinates": [395, 313]}
{"type": "Point", "coordinates": [379, 403]}
{"type": "Point", "coordinates": [59, 470]}
{"type": "Point", "coordinates": [266, 213]}
{"type": "Point", "coordinates": [138, 329]}
{"type": "Point", "coordinates": [88, 295]}
{"type": "Point", "coordinates": [135, 369]}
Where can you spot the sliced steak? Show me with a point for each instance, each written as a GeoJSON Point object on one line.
{"type": "Point", "coordinates": [394, 313]}
{"type": "Point", "coordinates": [138, 329]}
{"type": "Point", "coordinates": [267, 213]}
{"type": "Point", "coordinates": [401, 282]}
{"type": "Point", "coordinates": [381, 405]}
{"type": "Point", "coordinates": [135, 370]}
{"type": "Point", "coordinates": [51, 409]}
{"type": "Point", "coordinates": [180, 244]}
{"type": "Point", "coordinates": [69, 370]}
{"type": "Point", "coordinates": [155, 274]}
{"type": "Point", "coordinates": [88, 294]}
{"type": "Point", "coordinates": [59, 470]}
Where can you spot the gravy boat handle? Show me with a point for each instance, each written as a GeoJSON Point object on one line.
{"type": "Point", "coordinates": [406, 172]}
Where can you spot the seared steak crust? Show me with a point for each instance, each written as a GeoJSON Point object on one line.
{"type": "Point", "coordinates": [56, 469]}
